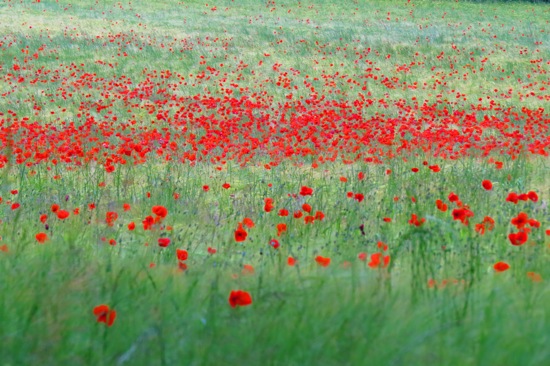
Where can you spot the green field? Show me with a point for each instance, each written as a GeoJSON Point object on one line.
{"type": "Point", "coordinates": [112, 112]}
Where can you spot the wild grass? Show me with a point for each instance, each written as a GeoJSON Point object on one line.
{"type": "Point", "coordinates": [439, 301]}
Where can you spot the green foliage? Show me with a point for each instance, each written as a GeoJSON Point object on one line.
{"type": "Point", "coordinates": [345, 314]}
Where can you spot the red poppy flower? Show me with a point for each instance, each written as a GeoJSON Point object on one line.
{"type": "Point", "coordinates": [248, 222]}
{"type": "Point", "coordinates": [297, 214]}
{"type": "Point", "coordinates": [487, 185]}
{"type": "Point", "coordinates": [43, 218]}
{"type": "Point", "coordinates": [523, 197]}
{"type": "Point", "coordinates": [205, 188]}
{"type": "Point", "coordinates": [362, 256]}
{"type": "Point", "coordinates": [62, 214]}
{"type": "Point", "coordinates": [414, 220]}
{"type": "Point", "coordinates": [480, 228]}
{"type": "Point", "coordinates": [164, 242]}
{"type": "Point", "coordinates": [104, 314]}
{"type": "Point", "coordinates": [306, 191]}
{"type": "Point", "coordinates": [55, 207]}
{"type": "Point", "coordinates": [126, 207]}
{"type": "Point", "coordinates": [268, 204]}
{"type": "Point", "coordinates": [359, 197]}
{"type": "Point", "coordinates": [240, 233]}
{"type": "Point", "coordinates": [160, 211]}
{"type": "Point", "coordinates": [41, 238]}
{"type": "Point", "coordinates": [319, 215]}
{"type": "Point", "coordinates": [343, 179]}
{"type": "Point", "coordinates": [306, 207]}
{"type": "Point", "coordinates": [15, 206]}
{"type": "Point", "coordinates": [512, 197]}
{"type": "Point", "coordinates": [488, 220]}
{"type": "Point", "coordinates": [518, 238]}
{"type": "Point", "coordinates": [453, 197]}
{"type": "Point", "coordinates": [110, 218]}
{"type": "Point", "coordinates": [226, 185]}
{"type": "Point", "coordinates": [501, 266]}
{"type": "Point", "coordinates": [148, 222]}
{"type": "Point", "coordinates": [248, 269]}
{"type": "Point", "coordinates": [520, 220]}
{"type": "Point", "coordinates": [181, 254]}
{"type": "Point", "coordinates": [462, 214]}
{"type": "Point", "coordinates": [283, 212]}
{"type": "Point", "coordinates": [4, 248]}
{"type": "Point", "coordinates": [382, 245]}
{"type": "Point", "coordinates": [274, 243]}
{"type": "Point", "coordinates": [533, 196]}
{"type": "Point", "coordinates": [281, 228]}
{"type": "Point", "coordinates": [360, 175]}
{"type": "Point", "coordinates": [309, 219]}
{"type": "Point", "coordinates": [441, 206]}
{"type": "Point", "coordinates": [377, 260]}
{"type": "Point", "coordinates": [291, 261]}
{"type": "Point", "coordinates": [131, 226]}
{"type": "Point", "coordinates": [322, 261]}
{"type": "Point", "coordinates": [211, 250]}
{"type": "Point", "coordinates": [239, 298]}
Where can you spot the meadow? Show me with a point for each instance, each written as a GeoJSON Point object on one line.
{"type": "Point", "coordinates": [274, 182]}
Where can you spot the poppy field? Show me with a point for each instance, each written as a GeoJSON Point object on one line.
{"type": "Point", "coordinates": [274, 182]}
